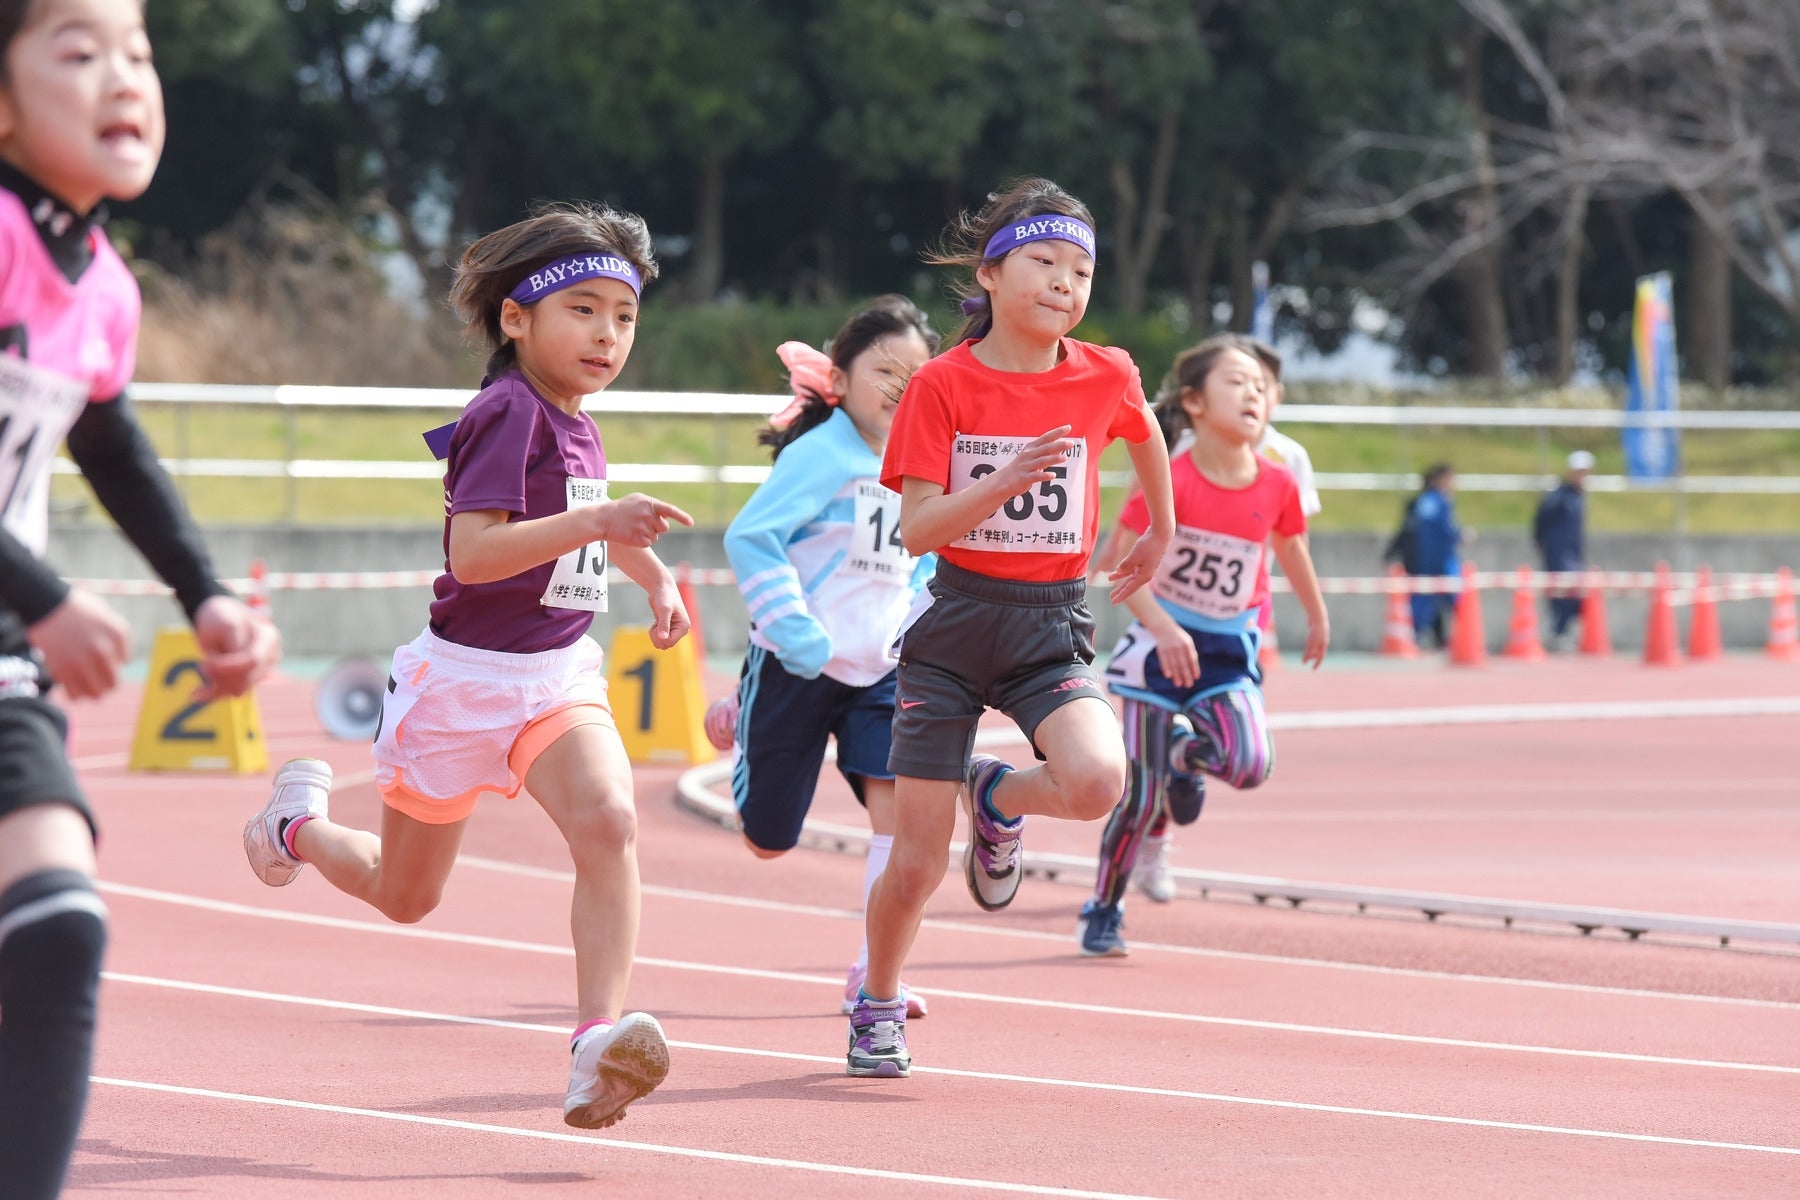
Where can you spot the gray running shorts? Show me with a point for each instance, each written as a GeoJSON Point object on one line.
{"type": "Point", "coordinates": [1026, 649]}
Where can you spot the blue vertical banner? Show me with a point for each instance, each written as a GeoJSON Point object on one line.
{"type": "Point", "coordinates": [1653, 385]}
{"type": "Point", "coordinates": [1262, 310]}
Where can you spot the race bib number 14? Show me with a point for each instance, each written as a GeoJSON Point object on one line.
{"type": "Point", "coordinates": [1047, 519]}
{"type": "Point", "coordinates": [579, 580]}
{"type": "Point", "coordinates": [876, 551]}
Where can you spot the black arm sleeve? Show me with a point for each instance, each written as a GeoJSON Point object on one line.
{"type": "Point", "coordinates": [27, 584]}
{"type": "Point", "coordinates": [121, 465]}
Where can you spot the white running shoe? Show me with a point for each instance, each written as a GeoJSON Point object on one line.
{"type": "Point", "coordinates": [302, 788]}
{"type": "Point", "coordinates": [1151, 874]}
{"type": "Point", "coordinates": [611, 1066]}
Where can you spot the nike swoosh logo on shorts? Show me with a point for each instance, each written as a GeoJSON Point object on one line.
{"type": "Point", "coordinates": [911, 703]}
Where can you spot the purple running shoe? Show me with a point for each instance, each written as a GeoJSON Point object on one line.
{"type": "Point", "coordinates": [878, 1039]}
{"type": "Point", "coordinates": [991, 862]}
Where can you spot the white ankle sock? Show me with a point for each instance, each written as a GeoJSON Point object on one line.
{"type": "Point", "coordinates": [880, 846]}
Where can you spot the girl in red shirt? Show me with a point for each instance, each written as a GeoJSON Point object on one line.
{"type": "Point", "coordinates": [995, 451]}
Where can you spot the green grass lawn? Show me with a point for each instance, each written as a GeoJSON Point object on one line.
{"type": "Point", "coordinates": [224, 431]}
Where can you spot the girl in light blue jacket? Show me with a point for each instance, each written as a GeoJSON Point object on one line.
{"type": "Point", "coordinates": [818, 558]}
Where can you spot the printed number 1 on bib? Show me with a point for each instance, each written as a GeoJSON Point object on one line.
{"type": "Point", "coordinates": [579, 580]}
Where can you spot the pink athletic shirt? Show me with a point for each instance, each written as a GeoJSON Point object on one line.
{"type": "Point", "coordinates": [62, 345]}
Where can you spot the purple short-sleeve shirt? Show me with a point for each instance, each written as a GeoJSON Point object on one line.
{"type": "Point", "coordinates": [513, 450]}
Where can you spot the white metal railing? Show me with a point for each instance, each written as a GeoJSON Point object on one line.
{"type": "Point", "coordinates": [720, 404]}
{"type": "Point", "coordinates": [291, 399]}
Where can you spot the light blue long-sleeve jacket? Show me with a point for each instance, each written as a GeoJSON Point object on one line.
{"type": "Point", "coordinates": [817, 555]}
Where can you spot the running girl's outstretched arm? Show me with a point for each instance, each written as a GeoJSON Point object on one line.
{"type": "Point", "coordinates": [931, 518]}
{"type": "Point", "coordinates": [1150, 459]}
{"type": "Point", "coordinates": [486, 545]}
{"type": "Point", "coordinates": [109, 446]}
{"type": "Point", "coordinates": [669, 617]}
{"type": "Point", "coordinates": [1296, 563]}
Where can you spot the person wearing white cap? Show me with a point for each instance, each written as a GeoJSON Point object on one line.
{"type": "Point", "coordinates": [1560, 531]}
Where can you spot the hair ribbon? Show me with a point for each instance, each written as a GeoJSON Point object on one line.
{"type": "Point", "coordinates": [809, 375]}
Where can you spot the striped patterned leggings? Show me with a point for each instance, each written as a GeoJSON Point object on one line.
{"type": "Point", "coordinates": [1231, 743]}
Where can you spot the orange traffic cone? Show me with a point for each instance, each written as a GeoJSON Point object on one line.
{"type": "Point", "coordinates": [1268, 656]}
{"type": "Point", "coordinates": [1397, 639]}
{"type": "Point", "coordinates": [1704, 642]}
{"type": "Point", "coordinates": [684, 586]}
{"type": "Point", "coordinates": [1784, 625]}
{"type": "Point", "coordinates": [1596, 639]}
{"type": "Point", "coordinates": [258, 599]}
{"type": "Point", "coordinates": [1468, 640]}
{"type": "Point", "coordinates": [1662, 640]}
{"type": "Point", "coordinates": [1522, 640]}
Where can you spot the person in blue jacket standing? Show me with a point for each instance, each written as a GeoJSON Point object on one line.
{"type": "Point", "coordinates": [828, 582]}
{"type": "Point", "coordinates": [1560, 531]}
{"type": "Point", "coordinates": [1428, 544]}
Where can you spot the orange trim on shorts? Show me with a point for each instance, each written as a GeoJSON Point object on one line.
{"type": "Point", "coordinates": [533, 740]}
{"type": "Point", "coordinates": [429, 810]}
{"type": "Point", "coordinates": [538, 736]}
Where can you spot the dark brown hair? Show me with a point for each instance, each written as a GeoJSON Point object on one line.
{"type": "Point", "coordinates": [493, 266]}
{"type": "Point", "coordinates": [880, 317]}
{"type": "Point", "coordinates": [1190, 369]}
{"type": "Point", "coordinates": [15, 15]}
{"type": "Point", "coordinates": [966, 238]}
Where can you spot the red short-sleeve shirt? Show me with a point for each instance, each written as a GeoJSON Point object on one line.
{"type": "Point", "coordinates": [1269, 505]}
{"type": "Point", "coordinates": [961, 419]}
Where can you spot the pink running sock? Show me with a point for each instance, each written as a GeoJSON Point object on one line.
{"type": "Point", "coordinates": [587, 1025]}
{"type": "Point", "coordinates": [288, 831]}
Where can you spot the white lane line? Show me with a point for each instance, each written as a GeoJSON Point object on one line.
{"type": "Point", "coordinates": [1507, 714]}
{"type": "Point", "coordinates": [346, 779]}
{"type": "Point", "coordinates": [1513, 816]}
{"type": "Point", "coordinates": [986, 1076]}
{"type": "Point", "coordinates": [1015, 1001]}
{"type": "Point", "coordinates": [991, 930]}
{"type": "Point", "coordinates": [1493, 714]}
{"type": "Point", "coordinates": [546, 1135]}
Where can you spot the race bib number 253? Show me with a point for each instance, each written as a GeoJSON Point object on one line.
{"type": "Point", "coordinates": [1213, 574]}
{"type": "Point", "coordinates": [1048, 518]}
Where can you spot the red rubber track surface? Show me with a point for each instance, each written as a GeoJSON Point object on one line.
{"type": "Point", "coordinates": [292, 1043]}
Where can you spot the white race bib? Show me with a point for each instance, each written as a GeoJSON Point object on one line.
{"type": "Point", "coordinates": [1213, 574]}
{"type": "Point", "coordinates": [37, 407]}
{"type": "Point", "coordinates": [1130, 659]}
{"type": "Point", "coordinates": [1048, 519]}
{"type": "Point", "coordinates": [876, 551]}
{"type": "Point", "coordinates": [579, 580]}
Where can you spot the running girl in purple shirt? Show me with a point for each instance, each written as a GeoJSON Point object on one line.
{"type": "Point", "coordinates": [503, 690]}
{"type": "Point", "coordinates": [81, 121]}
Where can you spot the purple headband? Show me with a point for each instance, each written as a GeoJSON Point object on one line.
{"type": "Point", "coordinates": [566, 272]}
{"type": "Point", "coordinates": [1038, 229]}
